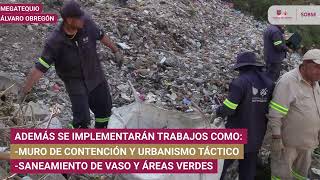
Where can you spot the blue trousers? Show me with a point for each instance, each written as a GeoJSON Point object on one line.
{"type": "Point", "coordinates": [273, 71]}
{"type": "Point", "coordinates": [100, 103]}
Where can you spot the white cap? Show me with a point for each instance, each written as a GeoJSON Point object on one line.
{"type": "Point", "coordinates": [313, 54]}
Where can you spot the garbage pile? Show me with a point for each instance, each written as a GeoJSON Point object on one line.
{"type": "Point", "coordinates": [177, 53]}
{"type": "Point", "coordinates": [6, 107]}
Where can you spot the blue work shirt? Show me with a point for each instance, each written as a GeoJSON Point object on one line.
{"type": "Point", "coordinates": [275, 48]}
{"type": "Point", "coordinates": [75, 59]}
{"type": "Point", "coordinates": [247, 106]}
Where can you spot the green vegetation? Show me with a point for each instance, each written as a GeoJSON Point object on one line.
{"type": "Point", "coordinates": [259, 9]}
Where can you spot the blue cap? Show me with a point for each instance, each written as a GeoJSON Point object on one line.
{"type": "Point", "coordinates": [71, 8]}
{"type": "Point", "coordinates": [247, 59]}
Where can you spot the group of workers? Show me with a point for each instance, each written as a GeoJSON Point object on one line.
{"type": "Point", "coordinates": [256, 97]}
{"type": "Point", "coordinates": [291, 106]}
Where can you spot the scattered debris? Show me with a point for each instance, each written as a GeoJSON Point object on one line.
{"type": "Point", "coordinates": [123, 46]}
{"type": "Point", "coordinates": [177, 53]}
{"type": "Point", "coordinates": [142, 115]}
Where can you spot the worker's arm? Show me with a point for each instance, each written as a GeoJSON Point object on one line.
{"type": "Point", "coordinates": [283, 96]}
{"type": "Point", "coordinates": [42, 65]}
{"type": "Point", "coordinates": [105, 40]}
{"type": "Point", "coordinates": [118, 58]}
{"type": "Point", "coordinates": [279, 42]}
{"type": "Point", "coordinates": [230, 105]}
{"type": "Point", "coordinates": [108, 43]}
{"type": "Point", "coordinates": [102, 37]}
{"type": "Point", "coordinates": [32, 79]}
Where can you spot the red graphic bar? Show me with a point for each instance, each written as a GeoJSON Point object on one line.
{"type": "Point", "coordinates": [113, 166]}
{"type": "Point", "coordinates": [128, 136]}
{"type": "Point", "coordinates": [22, 18]}
{"type": "Point", "coordinates": [21, 8]}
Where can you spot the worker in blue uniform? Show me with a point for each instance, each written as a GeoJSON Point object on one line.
{"type": "Point", "coordinates": [71, 48]}
{"type": "Point", "coordinates": [246, 107]}
{"type": "Point", "coordinates": [275, 50]}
